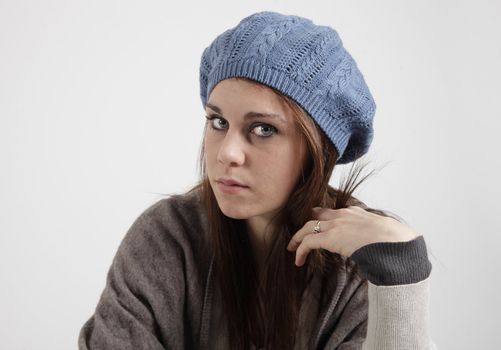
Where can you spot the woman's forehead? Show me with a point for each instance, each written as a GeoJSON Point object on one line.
{"type": "Point", "coordinates": [247, 96]}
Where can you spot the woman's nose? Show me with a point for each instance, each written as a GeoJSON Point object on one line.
{"type": "Point", "coordinates": [231, 151]}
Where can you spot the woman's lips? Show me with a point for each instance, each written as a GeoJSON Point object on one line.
{"type": "Point", "coordinates": [230, 189]}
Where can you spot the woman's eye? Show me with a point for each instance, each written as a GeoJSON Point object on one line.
{"type": "Point", "coordinates": [266, 130]}
{"type": "Point", "coordinates": [262, 130]}
{"type": "Point", "coordinates": [214, 121]}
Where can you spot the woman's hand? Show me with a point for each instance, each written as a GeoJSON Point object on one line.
{"type": "Point", "coordinates": [345, 230]}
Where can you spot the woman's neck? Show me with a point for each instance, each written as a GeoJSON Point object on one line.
{"type": "Point", "coordinates": [260, 238]}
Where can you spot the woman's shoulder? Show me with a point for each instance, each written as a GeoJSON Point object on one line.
{"type": "Point", "coordinates": [177, 209]}
{"type": "Point", "coordinates": [174, 223]}
{"type": "Point", "coordinates": [179, 212]}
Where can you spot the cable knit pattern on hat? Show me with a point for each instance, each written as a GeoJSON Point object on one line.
{"type": "Point", "coordinates": [306, 62]}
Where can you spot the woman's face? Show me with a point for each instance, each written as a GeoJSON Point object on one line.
{"type": "Point", "coordinates": [251, 139]}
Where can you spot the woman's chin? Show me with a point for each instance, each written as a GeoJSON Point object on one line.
{"type": "Point", "coordinates": [234, 212]}
{"type": "Point", "coordinates": [231, 207]}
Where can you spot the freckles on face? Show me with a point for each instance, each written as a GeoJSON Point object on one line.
{"type": "Point", "coordinates": [264, 153]}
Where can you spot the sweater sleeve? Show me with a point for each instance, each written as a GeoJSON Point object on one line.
{"type": "Point", "coordinates": [139, 294]}
{"type": "Point", "coordinates": [398, 293]}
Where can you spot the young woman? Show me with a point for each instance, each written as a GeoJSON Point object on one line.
{"type": "Point", "coordinates": [263, 253]}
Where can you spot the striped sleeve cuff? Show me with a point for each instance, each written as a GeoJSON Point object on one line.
{"type": "Point", "coordinates": [393, 263]}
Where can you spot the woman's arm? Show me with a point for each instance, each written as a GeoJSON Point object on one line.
{"type": "Point", "coordinates": [393, 259]}
{"type": "Point", "coordinates": [398, 292]}
{"type": "Point", "coordinates": [398, 317]}
{"type": "Point", "coordinates": [138, 292]}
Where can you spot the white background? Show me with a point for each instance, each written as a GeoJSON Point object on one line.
{"type": "Point", "coordinates": [100, 115]}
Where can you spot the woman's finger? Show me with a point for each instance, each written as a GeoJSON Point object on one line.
{"type": "Point", "coordinates": [324, 215]}
{"type": "Point", "coordinates": [303, 232]}
{"type": "Point", "coordinates": [310, 242]}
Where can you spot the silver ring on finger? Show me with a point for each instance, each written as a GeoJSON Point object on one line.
{"type": "Point", "coordinates": [316, 229]}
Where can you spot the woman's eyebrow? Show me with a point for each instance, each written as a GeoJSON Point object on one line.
{"type": "Point", "coordinates": [251, 115]}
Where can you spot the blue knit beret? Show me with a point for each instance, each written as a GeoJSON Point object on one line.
{"type": "Point", "coordinates": [306, 62]}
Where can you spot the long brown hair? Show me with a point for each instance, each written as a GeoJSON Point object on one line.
{"type": "Point", "coordinates": [264, 310]}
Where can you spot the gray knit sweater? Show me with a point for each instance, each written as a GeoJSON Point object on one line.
{"type": "Point", "coordinates": [160, 292]}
